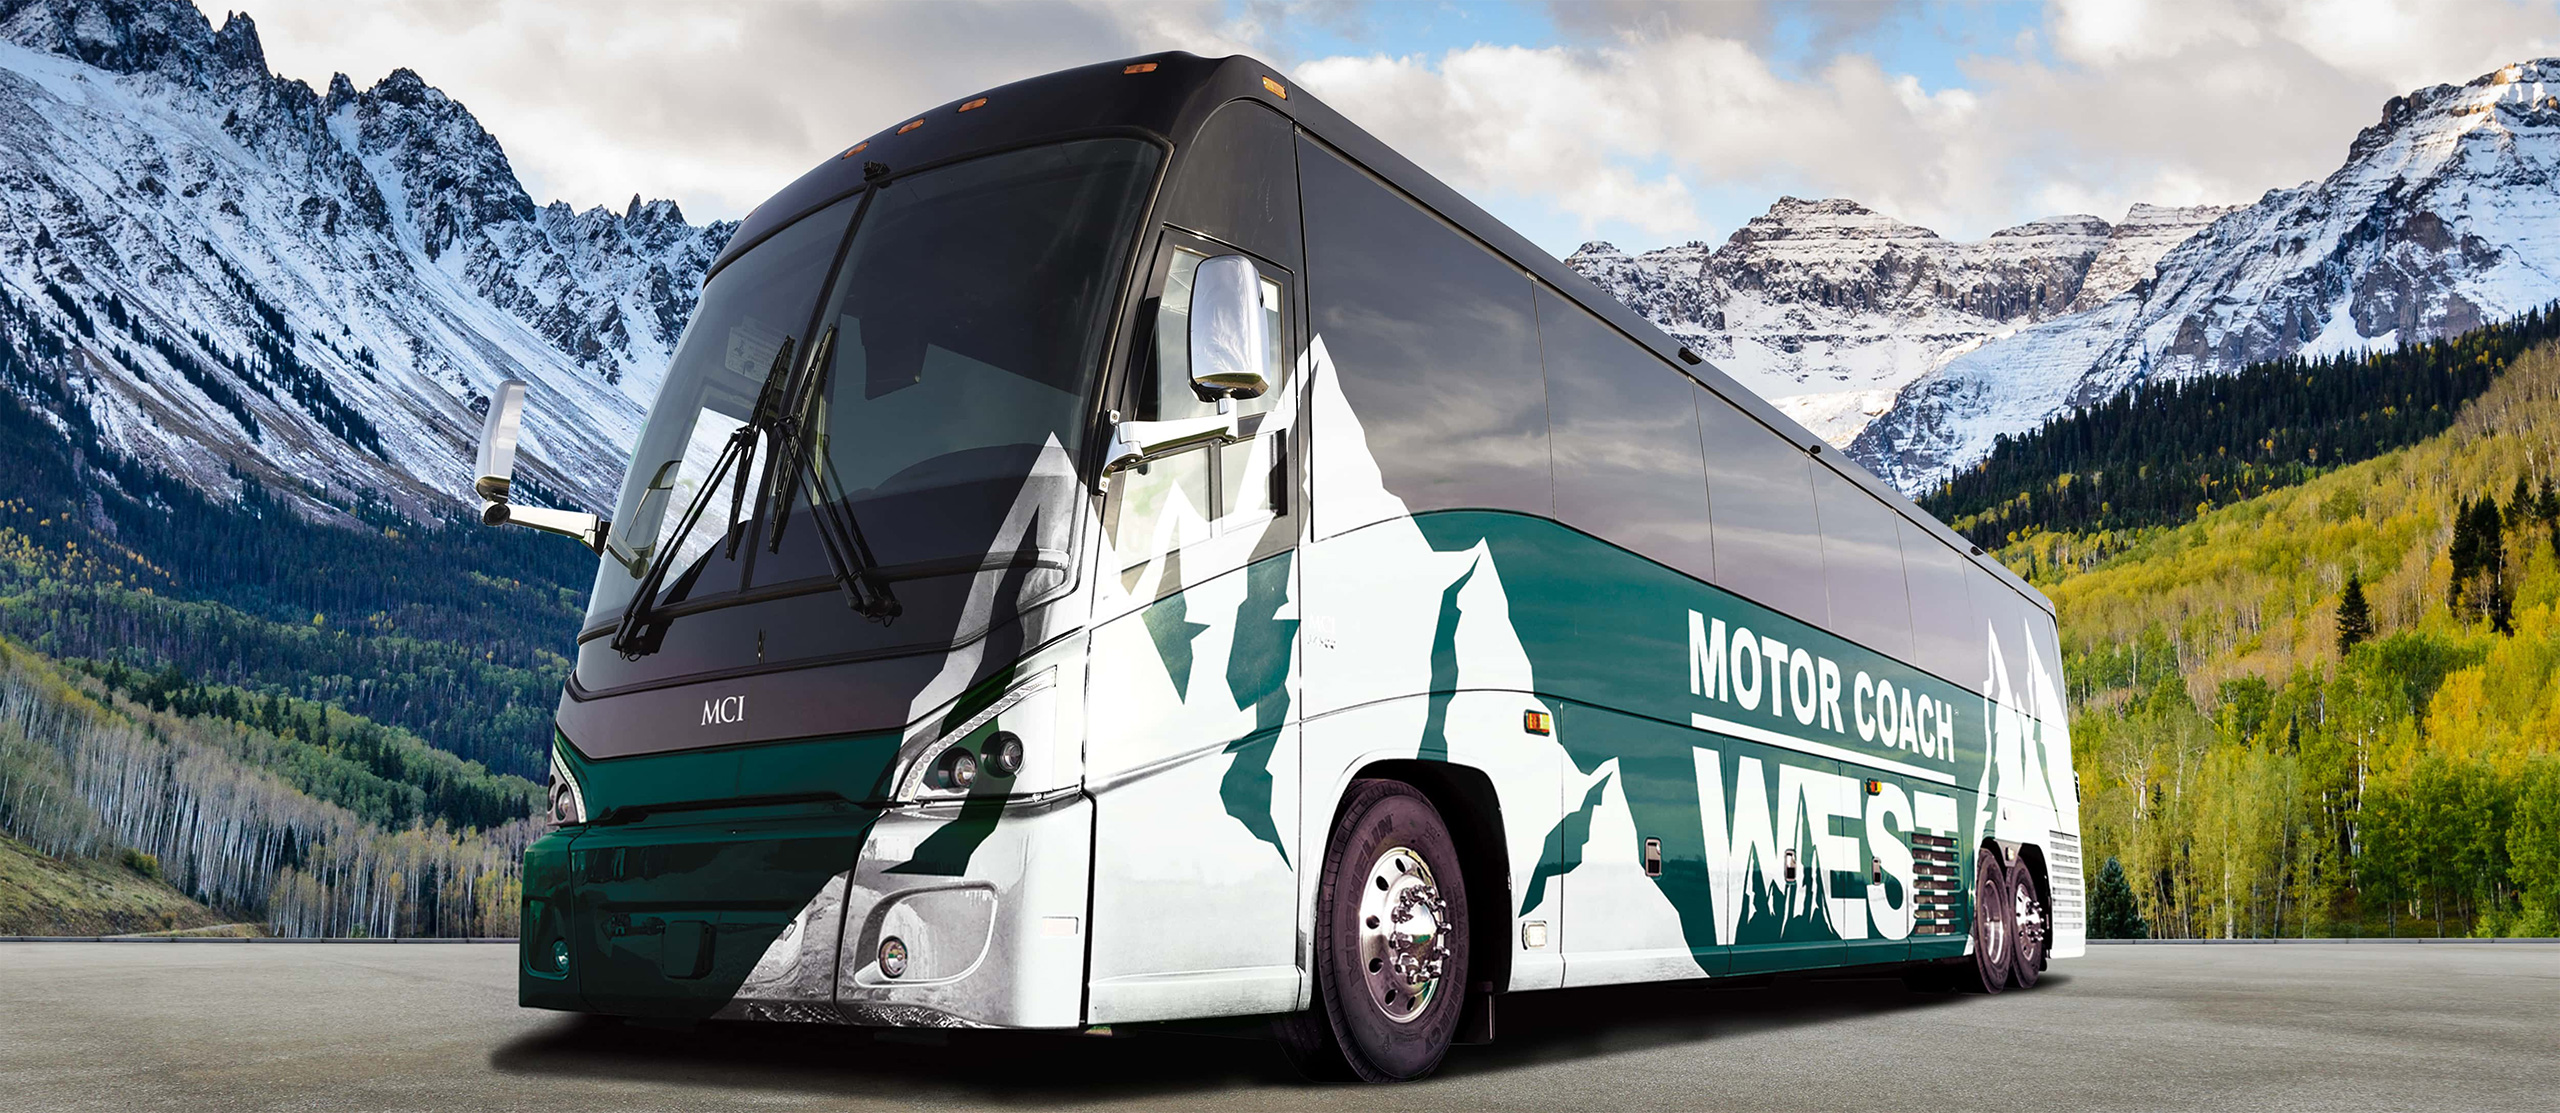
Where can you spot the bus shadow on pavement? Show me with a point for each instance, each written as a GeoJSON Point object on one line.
{"type": "Point", "coordinates": [1534, 1030]}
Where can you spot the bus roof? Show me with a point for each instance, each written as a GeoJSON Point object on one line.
{"type": "Point", "coordinates": [1167, 97]}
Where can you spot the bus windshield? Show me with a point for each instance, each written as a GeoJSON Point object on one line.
{"type": "Point", "coordinates": [958, 339]}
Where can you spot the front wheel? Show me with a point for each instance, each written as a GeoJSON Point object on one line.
{"type": "Point", "coordinates": [1390, 942]}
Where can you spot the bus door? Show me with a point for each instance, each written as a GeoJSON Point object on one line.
{"type": "Point", "coordinates": [1191, 746]}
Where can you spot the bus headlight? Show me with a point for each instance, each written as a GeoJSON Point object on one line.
{"type": "Point", "coordinates": [954, 771]}
{"type": "Point", "coordinates": [1002, 754]}
{"type": "Point", "coordinates": [568, 801]}
{"type": "Point", "coordinates": [1005, 748]}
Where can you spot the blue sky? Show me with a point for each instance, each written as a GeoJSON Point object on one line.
{"type": "Point", "coordinates": [1928, 41]}
{"type": "Point", "coordinates": [1639, 122]}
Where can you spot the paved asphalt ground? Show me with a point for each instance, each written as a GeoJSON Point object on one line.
{"type": "Point", "coordinates": [211, 1027]}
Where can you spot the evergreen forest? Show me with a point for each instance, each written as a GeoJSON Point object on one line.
{"type": "Point", "coordinates": [2158, 454]}
{"type": "Point", "coordinates": [2333, 707]}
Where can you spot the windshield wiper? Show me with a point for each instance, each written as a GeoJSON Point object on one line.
{"type": "Point", "coordinates": [632, 637]}
{"type": "Point", "coordinates": [793, 461]}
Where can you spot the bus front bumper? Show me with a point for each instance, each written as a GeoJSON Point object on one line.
{"type": "Point", "coordinates": [968, 915]}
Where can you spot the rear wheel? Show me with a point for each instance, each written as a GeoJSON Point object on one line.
{"type": "Point", "coordinates": [1995, 924]}
{"type": "Point", "coordinates": [2030, 925]}
{"type": "Point", "coordinates": [1390, 942]}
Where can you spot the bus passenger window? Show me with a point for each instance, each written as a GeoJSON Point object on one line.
{"type": "Point", "coordinates": [1760, 510]}
{"type": "Point", "coordinates": [1862, 565]}
{"type": "Point", "coordinates": [1434, 342]}
{"type": "Point", "coordinates": [1627, 463]}
{"type": "Point", "coordinates": [1945, 638]}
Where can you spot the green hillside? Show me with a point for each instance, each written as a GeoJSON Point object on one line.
{"type": "Point", "coordinates": [88, 896]}
{"type": "Point", "coordinates": [448, 629]}
{"type": "Point", "coordinates": [2256, 780]}
{"type": "Point", "coordinates": [268, 809]}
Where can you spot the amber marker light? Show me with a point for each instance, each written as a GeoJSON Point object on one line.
{"type": "Point", "coordinates": [981, 102]}
{"type": "Point", "coordinates": [1138, 67]}
{"type": "Point", "coordinates": [1538, 722]}
{"type": "Point", "coordinates": [1875, 788]}
{"type": "Point", "coordinates": [1275, 88]}
{"type": "Point", "coordinates": [856, 149]}
{"type": "Point", "coordinates": [911, 125]}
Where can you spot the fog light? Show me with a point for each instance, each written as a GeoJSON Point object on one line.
{"type": "Point", "coordinates": [957, 768]}
{"type": "Point", "coordinates": [1004, 753]}
{"type": "Point", "coordinates": [560, 956]}
{"type": "Point", "coordinates": [893, 957]}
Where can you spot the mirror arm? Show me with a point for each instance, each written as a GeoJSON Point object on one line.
{"type": "Point", "coordinates": [1133, 442]}
{"type": "Point", "coordinates": [587, 528]}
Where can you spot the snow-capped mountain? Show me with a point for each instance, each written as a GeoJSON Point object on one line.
{"type": "Point", "coordinates": [1828, 309]}
{"type": "Point", "coordinates": [2444, 216]}
{"type": "Point", "coordinates": [235, 272]}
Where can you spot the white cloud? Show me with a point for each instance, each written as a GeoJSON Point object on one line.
{"type": "Point", "coordinates": [2168, 103]}
{"type": "Point", "coordinates": [1653, 123]}
{"type": "Point", "coordinates": [714, 105]}
{"type": "Point", "coordinates": [1575, 126]}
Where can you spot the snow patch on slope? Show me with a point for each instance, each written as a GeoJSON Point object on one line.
{"type": "Point", "coordinates": [311, 288]}
{"type": "Point", "coordinates": [2443, 217]}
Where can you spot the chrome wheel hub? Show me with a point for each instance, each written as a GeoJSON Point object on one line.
{"type": "Point", "coordinates": [2030, 916]}
{"type": "Point", "coordinates": [1404, 946]}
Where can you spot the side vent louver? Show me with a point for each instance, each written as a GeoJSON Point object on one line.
{"type": "Point", "coordinates": [2069, 900]}
{"type": "Point", "coordinates": [1933, 864]}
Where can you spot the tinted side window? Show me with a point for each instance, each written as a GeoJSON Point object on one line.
{"type": "Point", "coordinates": [2008, 618]}
{"type": "Point", "coordinates": [1434, 344]}
{"type": "Point", "coordinates": [1760, 499]}
{"type": "Point", "coordinates": [1862, 565]}
{"type": "Point", "coordinates": [2046, 639]}
{"type": "Point", "coordinates": [1239, 182]}
{"type": "Point", "coordinates": [1946, 639]}
{"type": "Point", "coordinates": [1627, 461]}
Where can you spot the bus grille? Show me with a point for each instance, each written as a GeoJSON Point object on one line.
{"type": "Point", "coordinates": [2062, 864]}
{"type": "Point", "coordinates": [1933, 864]}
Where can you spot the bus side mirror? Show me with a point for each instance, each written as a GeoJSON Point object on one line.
{"type": "Point", "coordinates": [497, 463]}
{"type": "Point", "coordinates": [1230, 358]}
{"type": "Point", "coordinates": [1230, 345]}
{"type": "Point", "coordinates": [494, 476]}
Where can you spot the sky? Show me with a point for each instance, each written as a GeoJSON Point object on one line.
{"type": "Point", "coordinates": [1642, 123]}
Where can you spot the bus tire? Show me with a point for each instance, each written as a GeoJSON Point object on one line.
{"type": "Point", "coordinates": [2032, 927]}
{"type": "Point", "coordinates": [1994, 924]}
{"type": "Point", "coordinates": [1390, 939]}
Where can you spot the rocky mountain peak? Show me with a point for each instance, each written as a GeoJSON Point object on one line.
{"type": "Point", "coordinates": [239, 275]}
{"type": "Point", "coordinates": [2444, 216]}
{"type": "Point", "coordinates": [165, 37]}
{"type": "Point", "coordinates": [1792, 218]}
{"type": "Point", "coordinates": [1827, 306]}
{"type": "Point", "coordinates": [2080, 225]}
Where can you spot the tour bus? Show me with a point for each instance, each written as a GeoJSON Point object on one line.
{"type": "Point", "coordinates": [1129, 547]}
